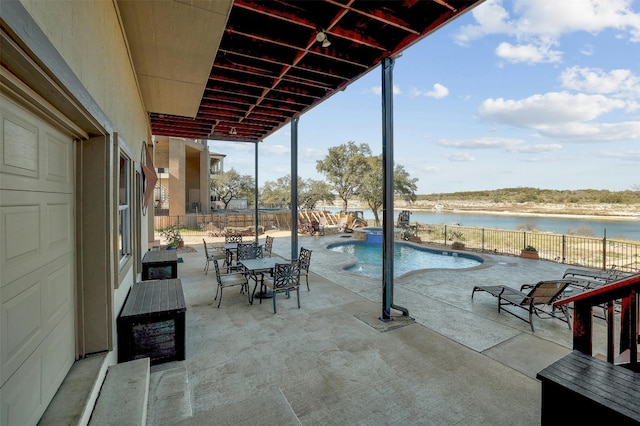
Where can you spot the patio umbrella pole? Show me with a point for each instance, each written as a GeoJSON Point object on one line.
{"type": "Point", "coordinates": [387, 192]}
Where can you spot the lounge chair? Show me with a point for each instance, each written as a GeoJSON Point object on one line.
{"type": "Point", "coordinates": [539, 295]}
{"type": "Point", "coordinates": [588, 279]}
{"type": "Point", "coordinates": [590, 274]}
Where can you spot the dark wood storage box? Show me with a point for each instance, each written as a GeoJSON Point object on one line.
{"type": "Point", "coordinates": [579, 388]}
{"type": "Point", "coordinates": [152, 322]}
{"type": "Point", "coordinates": [160, 265]}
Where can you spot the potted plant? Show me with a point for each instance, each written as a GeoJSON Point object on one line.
{"type": "Point", "coordinates": [173, 237]}
{"type": "Point", "coordinates": [458, 245]}
{"type": "Point", "coordinates": [410, 234]}
{"type": "Point", "coordinates": [457, 237]}
{"type": "Point", "coordinates": [529, 252]}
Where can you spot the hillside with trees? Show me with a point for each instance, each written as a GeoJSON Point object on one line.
{"type": "Point", "coordinates": [544, 196]}
{"type": "Point", "coordinates": [533, 201]}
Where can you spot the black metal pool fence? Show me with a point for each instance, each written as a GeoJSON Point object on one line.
{"type": "Point", "coordinates": [597, 253]}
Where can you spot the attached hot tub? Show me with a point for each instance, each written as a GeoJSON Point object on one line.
{"type": "Point", "coordinates": [373, 234]}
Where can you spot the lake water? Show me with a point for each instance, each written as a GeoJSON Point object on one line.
{"type": "Point", "coordinates": [623, 229]}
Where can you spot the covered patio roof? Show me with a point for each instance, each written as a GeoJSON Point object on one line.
{"type": "Point", "coordinates": [240, 70]}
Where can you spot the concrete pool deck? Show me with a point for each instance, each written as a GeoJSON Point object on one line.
{"type": "Point", "coordinates": [334, 362]}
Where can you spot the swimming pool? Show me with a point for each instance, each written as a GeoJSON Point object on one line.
{"type": "Point", "coordinates": [406, 258]}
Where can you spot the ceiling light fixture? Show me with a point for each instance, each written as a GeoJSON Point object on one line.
{"type": "Point", "coordinates": [321, 37]}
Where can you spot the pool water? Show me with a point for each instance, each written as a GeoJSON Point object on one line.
{"type": "Point", "coordinates": [406, 258]}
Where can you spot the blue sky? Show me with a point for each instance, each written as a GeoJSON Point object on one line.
{"type": "Point", "coordinates": [536, 93]}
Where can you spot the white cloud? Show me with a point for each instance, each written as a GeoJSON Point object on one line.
{"type": "Point", "coordinates": [619, 82]}
{"type": "Point", "coordinates": [536, 149]}
{"type": "Point", "coordinates": [536, 25]}
{"type": "Point", "coordinates": [273, 149]}
{"type": "Point", "coordinates": [481, 143]}
{"type": "Point", "coordinates": [224, 147]}
{"type": "Point", "coordinates": [313, 153]}
{"type": "Point", "coordinates": [550, 109]}
{"type": "Point", "coordinates": [377, 90]}
{"type": "Point", "coordinates": [439, 91]}
{"type": "Point", "coordinates": [587, 50]}
{"type": "Point", "coordinates": [527, 53]}
{"type": "Point", "coordinates": [459, 157]}
{"type": "Point", "coordinates": [626, 156]}
{"type": "Point", "coordinates": [506, 144]}
{"type": "Point", "coordinates": [595, 132]}
{"type": "Point", "coordinates": [491, 18]}
{"type": "Point", "coordinates": [562, 115]}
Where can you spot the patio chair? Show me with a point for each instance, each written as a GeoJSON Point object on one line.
{"type": "Point", "coordinates": [233, 238]}
{"type": "Point", "coordinates": [268, 246]}
{"type": "Point", "coordinates": [212, 255]}
{"type": "Point", "coordinates": [305, 260]}
{"type": "Point", "coordinates": [229, 280]}
{"type": "Point", "coordinates": [231, 254]}
{"type": "Point", "coordinates": [540, 295]}
{"type": "Point", "coordinates": [286, 278]}
{"type": "Point", "coordinates": [249, 251]}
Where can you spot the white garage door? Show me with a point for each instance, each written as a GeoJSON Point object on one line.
{"type": "Point", "coordinates": [37, 262]}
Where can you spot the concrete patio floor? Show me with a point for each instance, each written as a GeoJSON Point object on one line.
{"type": "Point", "coordinates": [333, 362]}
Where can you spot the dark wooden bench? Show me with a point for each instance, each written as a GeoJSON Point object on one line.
{"type": "Point", "coordinates": [579, 389]}
{"type": "Point", "coordinates": [152, 322]}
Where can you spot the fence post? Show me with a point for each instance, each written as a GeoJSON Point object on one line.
{"type": "Point", "coordinates": [524, 239]}
{"type": "Point", "coordinates": [604, 250]}
{"type": "Point", "coordinates": [564, 248]}
{"type": "Point", "coordinates": [445, 235]}
{"type": "Point", "coordinates": [482, 239]}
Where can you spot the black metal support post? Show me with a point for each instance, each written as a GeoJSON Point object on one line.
{"type": "Point", "coordinates": [255, 197]}
{"type": "Point", "coordinates": [387, 192]}
{"type": "Point", "coordinates": [294, 188]}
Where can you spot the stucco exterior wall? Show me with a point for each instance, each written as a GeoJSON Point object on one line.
{"type": "Point", "coordinates": [88, 35]}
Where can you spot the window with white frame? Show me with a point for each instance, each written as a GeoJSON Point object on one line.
{"type": "Point", "coordinates": [124, 208]}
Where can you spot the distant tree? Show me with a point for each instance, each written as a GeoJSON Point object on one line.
{"type": "Point", "coordinates": [310, 192]}
{"type": "Point", "coordinates": [276, 194]}
{"type": "Point", "coordinates": [344, 167]}
{"type": "Point", "coordinates": [404, 186]}
{"type": "Point", "coordinates": [372, 182]}
{"type": "Point", "coordinates": [231, 184]}
{"type": "Point", "coordinates": [551, 196]}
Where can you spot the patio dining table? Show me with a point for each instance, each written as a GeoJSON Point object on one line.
{"type": "Point", "coordinates": [260, 266]}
